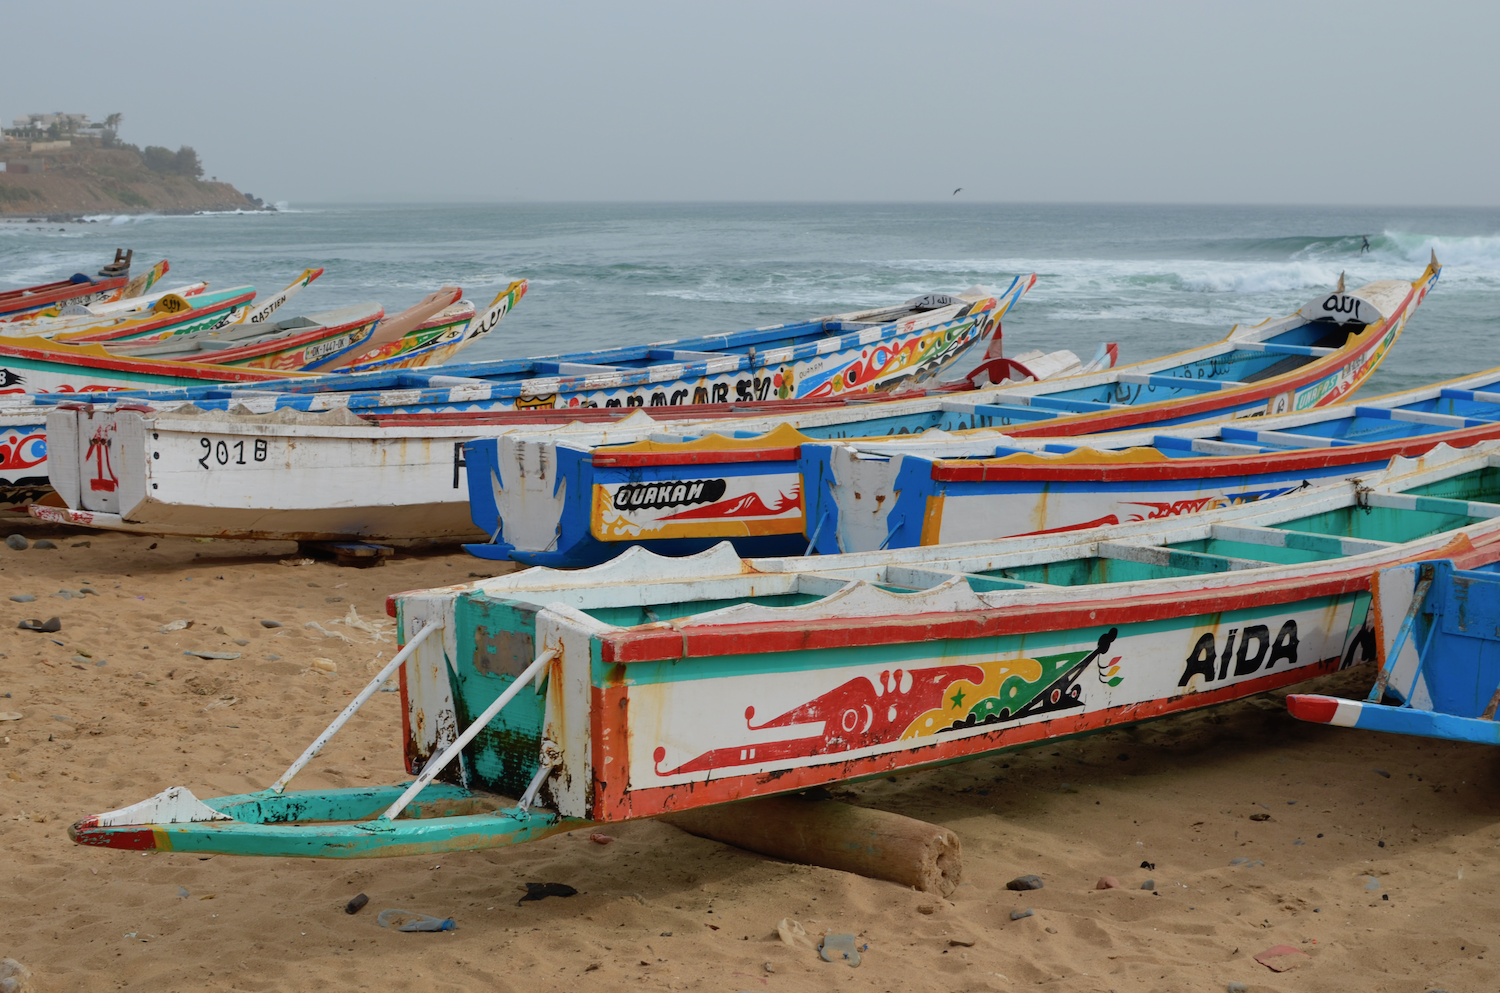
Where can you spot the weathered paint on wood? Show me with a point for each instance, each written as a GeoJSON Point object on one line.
{"type": "Point", "coordinates": [668, 684]}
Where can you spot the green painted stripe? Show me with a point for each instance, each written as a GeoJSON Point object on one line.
{"type": "Point", "coordinates": [1439, 505]}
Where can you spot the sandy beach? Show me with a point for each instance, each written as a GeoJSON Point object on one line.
{"type": "Point", "coordinates": [1373, 855]}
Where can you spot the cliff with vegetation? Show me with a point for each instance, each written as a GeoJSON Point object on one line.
{"type": "Point", "coordinates": [42, 180]}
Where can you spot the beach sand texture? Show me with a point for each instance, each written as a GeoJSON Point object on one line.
{"type": "Point", "coordinates": [660, 909]}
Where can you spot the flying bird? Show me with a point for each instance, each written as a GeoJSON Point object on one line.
{"type": "Point", "coordinates": [958, 191]}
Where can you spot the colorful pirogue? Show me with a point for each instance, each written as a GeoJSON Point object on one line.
{"type": "Point", "coordinates": [547, 700]}
{"type": "Point", "coordinates": [927, 490]}
{"type": "Point", "coordinates": [1439, 629]}
{"type": "Point", "coordinates": [51, 299]}
{"type": "Point", "coordinates": [319, 478]}
{"type": "Point", "coordinates": [778, 493]}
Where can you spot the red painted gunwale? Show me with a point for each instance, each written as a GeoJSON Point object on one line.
{"type": "Point", "coordinates": [661, 644]}
{"type": "Point", "coordinates": [1213, 466]}
{"type": "Point", "coordinates": [84, 359]}
{"type": "Point", "coordinates": [45, 294]}
{"type": "Point", "coordinates": [309, 337]}
{"type": "Point", "coordinates": [626, 459]}
{"type": "Point", "coordinates": [162, 322]}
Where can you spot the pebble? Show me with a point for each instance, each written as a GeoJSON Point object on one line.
{"type": "Point", "coordinates": [1260, 816]}
{"type": "Point", "coordinates": [1149, 884]}
{"type": "Point", "coordinates": [14, 977]}
{"type": "Point", "coordinates": [1238, 988]}
{"type": "Point", "coordinates": [770, 967]}
{"type": "Point", "coordinates": [1016, 915]}
{"type": "Point", "coordinates": [1382, 772]}
{"type": "Point", "coordinates": [44, 544]}
{"type": "Point", "coordinates": [1108, 883]}
{"type": "Point", "coordinates": [1051, 930]}
{"type": "Point", "coordinates": [267, 623]}
{"type": "Point", "coordinates": [18, 542]}
{"type": "Point", "coordinates": [1024, 883]}
{"type": "Point", "coordinates": [23, 598]}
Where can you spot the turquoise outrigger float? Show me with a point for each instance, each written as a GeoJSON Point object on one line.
{"type": "Point", "coordinates": [649, 685]}
{"type": "Point", "coordinates": [1439, 629]}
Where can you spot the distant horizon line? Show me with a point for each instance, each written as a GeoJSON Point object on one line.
{"type": "Point", "coordinates": [885, 203]}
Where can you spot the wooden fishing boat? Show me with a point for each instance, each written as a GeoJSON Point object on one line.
{"type": "Point", "coordinates": [81, 318]}
{"type": "Point", "coordinates": [440, 338]}
{"type": "Point", "coordinates": [175, 316]}
{"type": "Point", "coordinates": [388, 478]}
{"type": "Point", "coordinates": [929, 490]}
{"type": "Point", "coordinates": [291, 344]}
{"type": "Point", "coordinates": [871, 352]}
{"type": "Point", "coordinates": [1436, 628]}
{"type": "Point", "coordinates": [172, 314]}
{"type": "Point", "coordinates": [549, 700]}
{"type": "Point", "coordinates": [138, 297]}
{"type": "Point", "coordinates": [782, 493]}
{"type": "Point", "coordinates": [49, 299]}
{"type": "Point", "coordinates": [328, 475]}
{"type": "Point", "coordinates": [23, 462]}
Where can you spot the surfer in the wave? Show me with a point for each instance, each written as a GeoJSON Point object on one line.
{"type": "Point", "coordinates": [1365, 247]}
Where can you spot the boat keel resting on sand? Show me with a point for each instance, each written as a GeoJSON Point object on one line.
{"type": "Point", "coordinates": [548, 700]}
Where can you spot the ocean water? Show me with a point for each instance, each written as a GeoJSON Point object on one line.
{"type": "Point", "coordinates": [1155, 279]}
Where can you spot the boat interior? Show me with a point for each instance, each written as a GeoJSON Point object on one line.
{"type": "Point", "coordinates": [1358, 522]}
{"type": "Point", "coordinates": [1449, 410]}
{"type": "Point", "coordinates": [240, 335]}
{"type": "Point", "coordinates": [765, 348]}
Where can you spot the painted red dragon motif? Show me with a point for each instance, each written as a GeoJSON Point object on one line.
{"type": "Point", "coordinates": [855, 715]}
{"type": "Point", "coordinates": [748, 505]}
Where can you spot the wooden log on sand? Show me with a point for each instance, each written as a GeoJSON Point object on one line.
{"type": "Point", "coordinates": [874, 843]}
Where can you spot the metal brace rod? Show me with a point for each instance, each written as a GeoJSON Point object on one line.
{"type": "Point", "coordinates": [470, 733]}
{"type": "Point", "coordinates": [354, 705]}
{"type": "Point", "coordinates": [529, 797]}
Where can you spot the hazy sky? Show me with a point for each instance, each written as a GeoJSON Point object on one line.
{"type": "Point", "coordinates": [1290, 102]}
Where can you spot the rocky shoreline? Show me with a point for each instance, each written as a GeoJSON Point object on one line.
{"type": "Point", "coordinates": [85, 181]}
